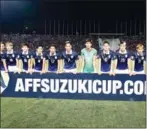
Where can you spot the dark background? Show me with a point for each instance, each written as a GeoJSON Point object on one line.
{"type": "Point", "coordinates": [71, 17]}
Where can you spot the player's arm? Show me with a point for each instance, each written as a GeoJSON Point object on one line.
{"type": "Point", "coordinates": [77, 64]}
{"type": "Point", "coordinates": [113, 65]}
{"type": "Point", "coordinates": [99, 66]}
{"type": "Point", "coordinates": [61, 65]}
{"type": "Point", "coordinates": [131, 64]}
{"type": "Point", "coordinates": [82, 62]}
{"type": "Point", "coordinates": [5, 65]}
{"type": "Point", "coordinates": [43, 66]}
{"type": "Point", "coordinates": [145, 67]}
{"type": "Point", "coordinates": [95, 64]}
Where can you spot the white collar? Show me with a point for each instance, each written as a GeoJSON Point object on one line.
{"type": "Point", "coordinates": [25, 53]}
{"type": "Point", "coordinates": [53, 54]}
{"type": "Point", "coordinates": [38, 54]}
{"type": "Point", "coordinates": [68, 52]}
{"type": "Point", "coordinates": [140, 54]}
{"type": "Point", "coordinates": [106, 52]}
{"type": "Point", "coordinates": [10, 52]}
{"type": "Point", "coordinates": [123, 52]}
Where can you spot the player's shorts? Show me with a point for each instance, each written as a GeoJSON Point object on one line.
{"type": "Point", "coordinates": [140, 72]}
{"type": "Point", "coordinates": [70, 70]}
{"type": "Point", "coordinates": [125, 71]}
{"type": "Point", "coordinates": [12, 68]}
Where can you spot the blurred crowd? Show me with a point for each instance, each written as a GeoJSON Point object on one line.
{"type": "Point", "coordinates": [77, 40]}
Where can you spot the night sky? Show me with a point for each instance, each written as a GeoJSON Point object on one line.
{"type": "Point", "coordinates": [16, 14]}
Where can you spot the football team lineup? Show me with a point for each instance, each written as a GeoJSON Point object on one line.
{"type": "Point", "coordinates": [88, 61]}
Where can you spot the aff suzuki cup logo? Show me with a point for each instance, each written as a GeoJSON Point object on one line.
{"type": "Point", "coordinates": [4, 80]}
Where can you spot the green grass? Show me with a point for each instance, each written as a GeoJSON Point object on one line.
{"type": "Point", "coordinates": [71, 113]}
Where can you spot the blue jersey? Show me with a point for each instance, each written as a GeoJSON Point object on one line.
{"type": "Point", "coordinates": [69, 60]}
{"type": "Point", "coordinates": [25, 59]}
{"type": "Point", "coordinates": [38, 61]}
{"type": "Point", "coordinates": [122, 60]}
{"type": "Point", "coordinates": [2, 57]}
{"type": "Point", "coordinates": [52, 61]}
{"type": "Point", "coordinates": [139, 61]}
{"type": "Point", "coordinates": [11, 58]}
{"type": "Point", "coordinates": [106, 60]}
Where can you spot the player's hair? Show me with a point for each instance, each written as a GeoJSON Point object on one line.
{"type": "Point", "coordinates": [24, 44]}
{"type": "Point", "coordinates": [89, 40]}
{"type": "Point", "coordinates": [122, 42]}
{"type": "Point", "coordinates": [9, 43]}
{"type": "Point", "coordinates": [52, 45]}
{"type": "Point", "coordinates": [139, 46]}
{"type": "Point", "coordinates": [68, 42]}
{"type": "Point", "coordinates": [105, 42]}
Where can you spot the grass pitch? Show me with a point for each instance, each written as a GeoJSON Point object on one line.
{"type": "Point", "coordinates": [22, 112]}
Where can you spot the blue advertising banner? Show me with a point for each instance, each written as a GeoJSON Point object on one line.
{"type": "Point", "coordinates": [75, 86]}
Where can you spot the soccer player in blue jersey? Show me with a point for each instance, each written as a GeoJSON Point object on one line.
{"type": "Point", "coordinates": [52, 60]}
{"type": "Point", "coordinates": [69, 62]}
{"type": "Point", "coordinates": [139, 62]}
{"type": "Point", "coordinates": [39, 60]}
{"type": "Point", "coordinates": [105, 59]}
{"type": "Point", "coordinates": [124, 57]}
{"type": "Point", "coordinates": [3, 65]}
{"type": "Point", "coordinates": [4, 77]}
{"type": "Point", "coordinates": [25, 59]}
{"type": "Point", "coordinates": [11, 58]}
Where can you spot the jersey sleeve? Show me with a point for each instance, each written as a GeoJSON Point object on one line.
{"type": "Point", "coordinates": [95, 52]}
{"type": "Point", "coordinates": [82, 52]}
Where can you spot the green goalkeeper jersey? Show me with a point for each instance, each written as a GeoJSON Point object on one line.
{"type": "Point", "coordinates": [88, 59]}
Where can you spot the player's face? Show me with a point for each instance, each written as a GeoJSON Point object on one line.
{"type": "Point", "coordinates": [2, 47]}
{"type": "Point", "coordinates": [88, 45]}
{"type": "Point", "coordinates": [106, 47]}
{"type": "Point", "coordinates": [9, 47]}
{"type": "Point", "coordinates": [25, 48]}
{"type": "Point", "coordinates": [68, 47]}
{"type": "Point", "coordinates": [52, 49]}
{"type": "Point", "coordinates": [39, 49]}
{"type": "Point", "coordinates": [122, 47]}
{"type": "Point", "coordinates": [140, 50]}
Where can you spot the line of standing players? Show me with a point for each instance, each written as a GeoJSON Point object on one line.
{"type": "Point", "coordinates": [69, 61]}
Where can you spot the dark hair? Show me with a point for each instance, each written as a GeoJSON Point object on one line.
{"type": "Point", "coordinates": [106, 42]}
{"type": "Point", "coordinates": [122, 42]}
{"type": "Point", "coordinates": [89, 40]}
{"type": "Point", "coordinates": [52, 45]}
{"type": "Point", "coordinates": [25, 44]}
{"type": "Point", "coordinates": [67, 42]}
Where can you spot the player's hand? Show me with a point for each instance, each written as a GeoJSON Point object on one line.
{"type": "Point", "coordinates": [130, 73]}
{"type": "Point", "coordinates": [99, 73]}
{"type": "Point", "coordinates": [74, 72]}
{"type": "Point", "coordinates": [6, 71]}
{"type": "Point", "coordinates": [133, 73]}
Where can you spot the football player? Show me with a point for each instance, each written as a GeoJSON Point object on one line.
{"type": "Point", "coordinates": [11, 58]}
{"type": "Point", "coordinates": [124, 57]}
{"type": "Point", "coordinates": [69, 62]}
{"type": "Point", "coordinates": [39, 60]}
{"type": "Point", "coordinates": [3, 65]}
{"type": "Point", "coordinates": [104, 61]}
{"type": "Point", "coordinates": [87, 57]}
{"type": "Point", "coordinates": [52, 60]}
{"type": "Point", "coordinates": [25, 59]}
{"type": "Point", "coordinates": [139, 62]}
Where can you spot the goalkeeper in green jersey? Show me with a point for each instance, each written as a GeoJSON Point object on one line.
{"type": "Point", "coordinates": [87, 57]}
